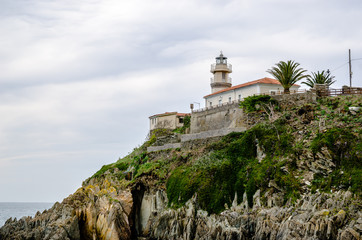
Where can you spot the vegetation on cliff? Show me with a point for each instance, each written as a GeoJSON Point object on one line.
{"type": "Point", "coordinates": [314, 147]}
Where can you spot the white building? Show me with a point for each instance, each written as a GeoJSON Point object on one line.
{"type": "Point", "coordinates": [222, 90]}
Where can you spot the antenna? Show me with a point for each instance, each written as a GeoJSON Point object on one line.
{"type": "Point", "coordinates": [350, 68]}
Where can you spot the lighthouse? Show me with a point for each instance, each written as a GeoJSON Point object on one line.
{"type": "Point", "coordinates": [221, 70]}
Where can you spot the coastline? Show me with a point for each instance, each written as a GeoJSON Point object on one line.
{"type": "Point", "coordinates": [21, 209]}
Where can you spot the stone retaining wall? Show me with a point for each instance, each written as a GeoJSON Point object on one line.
{"type": "Point", "coordinates": [163, 147]}
{"type": "Point", "coordinates": [227, 116]}
{"type": "Point", "coordinates": [211, 133]}
{"type": "Point", "coordinates": [187, 138]}
{"type": "Point", "coordinates": [297, 99]}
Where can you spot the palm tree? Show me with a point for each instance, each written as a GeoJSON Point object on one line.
{"type": "Point", "coordinates": [287, 73]}
{"type": "Point", "coordinates": [320, 78]}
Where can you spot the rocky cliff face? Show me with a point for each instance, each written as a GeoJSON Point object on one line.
{"type": "Point", "coordinates": [317, 216]}
{"type": "Point", "coordinates": [78, 217]}
{"type": "Point", "coordinates": [313, 217]}
{"type": "Point", "coordinates": [308, 188]}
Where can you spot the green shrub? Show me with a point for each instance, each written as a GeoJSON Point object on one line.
{"type": "Point", "coordinates": [186, 125]}
{"type": "Point", "coordinates": [151, 141]}
{"type": "Point", "coordinates": [232, 167]}
{"type": "Point", "coordinates": [345, 148]}
{"type": "Point", "coordinates": [339, 143]}
{"type": "Point", "coordinates": [275, 138]}
{"type": "Point", "coordinates": [122, 166]}
{"type": "Point", "coordinates": [254, 103]}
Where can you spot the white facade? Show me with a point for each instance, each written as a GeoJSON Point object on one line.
{"type": "Point", "coordinates": [241, 91]}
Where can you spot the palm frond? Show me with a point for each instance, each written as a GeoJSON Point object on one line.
{"type": "Point", "coordinates": [287, 73]}
{"type": "Point", "coordinates": [323, 77]}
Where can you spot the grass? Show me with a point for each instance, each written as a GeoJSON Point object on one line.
{"type": "Point", "coordinates": [345, 148]}
{"type": "Point", "coordinates": [232, 167]}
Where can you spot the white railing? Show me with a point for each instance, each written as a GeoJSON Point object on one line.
{"type": "Point", "coordinates": [214, 67]}
{"type": "Point", "coordinates": [216, 106]}
{"type": "Point", "coordinates": [228, 80]}
{"type": "Point", "coordinates": [237, 101]}
{"type": "Point", "coordinates": [278, 92]}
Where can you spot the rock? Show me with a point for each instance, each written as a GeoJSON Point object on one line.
{"type": "Point", "coordinates": [339, 218]}
{"type": "Point", "coordinates": [349, 234]}
{"type": "Point", "coordinates": [77, 217]}
{"type": "Point", "coordinates": [143, 212]}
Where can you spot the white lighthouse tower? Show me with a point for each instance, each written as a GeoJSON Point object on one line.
{"type": "Point", "coordinates": [221, 70]}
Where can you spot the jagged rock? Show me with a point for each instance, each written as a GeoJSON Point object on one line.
{"type": "Point", "coordinates": [77, 217]}
{"type": "Point", "coordinates": [144, 213]}
{"type": "Point", "coordinates": [309, 221]}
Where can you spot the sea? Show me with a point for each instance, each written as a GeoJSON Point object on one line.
{"type": "Point", "coordinates": [20, 209]}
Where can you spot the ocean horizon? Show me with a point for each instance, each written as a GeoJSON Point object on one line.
{"type": "Point", "coordinates": [21, 209]}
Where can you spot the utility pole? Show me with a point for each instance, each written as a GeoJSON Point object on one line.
{"type": "Point", "coordinates": [350, 69]}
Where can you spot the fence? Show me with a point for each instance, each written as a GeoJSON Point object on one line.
{"type": "Point", "coordinates": [217, 106]}
{"type": "Point", "coordinates": [337, 92]}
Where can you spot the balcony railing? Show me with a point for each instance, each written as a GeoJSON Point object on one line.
{"type": "Point", "coordinates": [228, 80]}
{"type": "Point", "coordinates": [227, 67]}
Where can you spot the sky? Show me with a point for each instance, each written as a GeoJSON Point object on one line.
{"type": "Point", "coordinates": [79, 79]}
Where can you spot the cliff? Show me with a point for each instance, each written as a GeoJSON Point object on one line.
{"type": "Point", "coordinates": [294, 174]}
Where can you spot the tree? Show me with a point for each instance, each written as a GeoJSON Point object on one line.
{"type": "Point", "coordinates": [287, 73]}
{"type": "Point", "coordinates": [323, 77]}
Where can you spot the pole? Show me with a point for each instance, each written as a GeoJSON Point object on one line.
{"type": "Point", "coordinates": [350, 69]}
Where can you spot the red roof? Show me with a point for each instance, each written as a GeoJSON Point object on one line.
{"type": "Point", "coordinates": [262, 80]}
{"type": "Point", "coordinates": [183, 114]}
{"type": "Point", "coordinates": [170, 113]}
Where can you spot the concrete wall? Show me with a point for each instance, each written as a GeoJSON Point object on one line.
{"type": "Point", "coordinates": [226, 116]}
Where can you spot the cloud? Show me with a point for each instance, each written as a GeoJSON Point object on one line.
{"type": "Point", "coordinates": [79, 79]}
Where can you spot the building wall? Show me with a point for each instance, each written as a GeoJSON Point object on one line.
{"type": "Point", "coordinates": [226, 116]}
{"type": "Point", "coordinates": [168, 122]}
{"type": "Point", "coordinates": [266, 88]}
{"type": "Point", "coordinates": [247, 91]}
{"type": "Point", "coordinates": [233, 95]}
{"type": "Point", "coordinates": [244, 92]}
{"type": "Point", "coordinates": [177, 123]}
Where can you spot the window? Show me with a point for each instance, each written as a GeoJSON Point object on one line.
{"type": "Point", "coordinates": [210, 104]}
{"type": "Point", "coordinates": [239, 97]}
{"type": "Point", "coordinates": [229, 99]}
{"type": "Point", "coordinates": [180, 120]}
{"type": "Point", "coordinates": [223, 76]}
{"type": "Point", "coordinates": [220, 102]}
{"type": "Point", "coordinates": [273, 92]}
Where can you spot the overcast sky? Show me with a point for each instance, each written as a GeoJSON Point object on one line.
{"type": "Point", "coordinates": [78, 79]}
